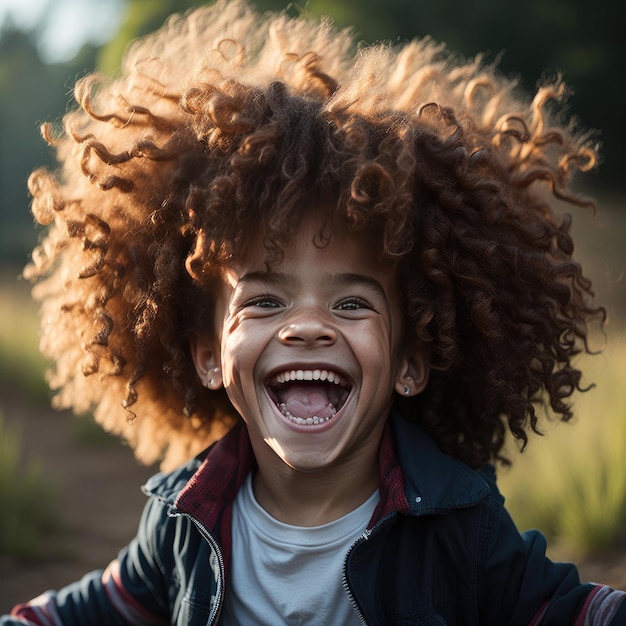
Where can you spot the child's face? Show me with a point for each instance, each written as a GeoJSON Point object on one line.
{"type": "Point", "coordinates": [312, 352]}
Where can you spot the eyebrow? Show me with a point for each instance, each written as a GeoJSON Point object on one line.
{"type": "Point", "coordinates": [349, 278]}
{"type": "Point", "coordinates": [343, 278]}
{"type": "Point", "coordinates": [261, 276]}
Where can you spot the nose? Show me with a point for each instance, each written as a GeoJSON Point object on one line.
{"type": "Point", "coordinates": [308, 328]}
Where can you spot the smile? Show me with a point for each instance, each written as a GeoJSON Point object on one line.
{"type": "Point", "coordinates": [308, 397]}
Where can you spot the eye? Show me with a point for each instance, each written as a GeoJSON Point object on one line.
{"type": "Point", "coordinates": [263, 302]}
{"type": "Point", "coordinates": [353, 304]}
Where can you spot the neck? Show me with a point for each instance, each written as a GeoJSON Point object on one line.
{"type": "Point", "coordinates": [313, 498]}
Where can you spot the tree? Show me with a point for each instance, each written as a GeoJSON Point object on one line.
{"type": "Point", "coordinates": [141, 17]}
{"type": "Point", "coordinates": [32, 92]}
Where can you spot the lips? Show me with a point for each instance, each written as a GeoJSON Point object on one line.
{"type": "Point", "coordinates": [308, 396]}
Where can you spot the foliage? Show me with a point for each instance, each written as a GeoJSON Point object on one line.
{"type": "Point", "coordinates": [21, 364]}
{"type": "Point", "coordinates": [572, 485]}
{"type": "Point", "coordinates": [32, 92]}
{"type": "Point", "coordinates": [140, 18]}
{"type": "Point", "coordinates": [28, 500]}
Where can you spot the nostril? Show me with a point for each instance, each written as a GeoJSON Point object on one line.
{"type": "Point", "coordinates": [306, 333]}
{"type": "Point", "coordinates": [290, 334]}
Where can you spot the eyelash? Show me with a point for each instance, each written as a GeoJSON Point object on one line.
{"type": "Point", "coordinates": [271, 302]}
{"type": "Point", "coordinates": [259, 301]}
{"type": "Point", "coordinates": [360, 304]}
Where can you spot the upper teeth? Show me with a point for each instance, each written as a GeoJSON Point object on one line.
{"type": "Point", "coordinates": [324, 375]}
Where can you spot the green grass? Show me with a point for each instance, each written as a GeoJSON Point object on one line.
{"type": "Point", "coordinates": [29, 524]}
{"type": "Point", "coordinates": [571, 484]}
{"type": "Point", "coordinates": [21, 364]}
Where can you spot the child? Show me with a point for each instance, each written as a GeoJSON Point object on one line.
{"type": "Point", "coordinates": [345, 272]}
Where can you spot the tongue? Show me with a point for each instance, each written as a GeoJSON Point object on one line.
{"type": "Point", "coordinates": [306, 401]}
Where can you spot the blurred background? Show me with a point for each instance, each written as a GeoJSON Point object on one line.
{"type": "Point", "coordinates": [61, 478]}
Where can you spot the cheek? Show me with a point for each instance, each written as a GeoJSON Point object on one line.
{"type": "Point", "coordinates": [232, 370]}
{"type": "Point", "coordinates": [240, 351]}
{"type": "Point", "coordinates": [384, 354]}
{"type": "Point", "coordinates": [231, 356]}
{"type": "Point", "coordinates": [384, 342]}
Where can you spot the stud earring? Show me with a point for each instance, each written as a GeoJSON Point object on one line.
{"type": "Point", "coordinates": [214, 378]}
{"type": "Point", "coordinates": [407, 390]}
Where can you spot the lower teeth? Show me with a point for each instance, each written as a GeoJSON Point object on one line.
{"type": "Point", "coordinates": [306, 420]}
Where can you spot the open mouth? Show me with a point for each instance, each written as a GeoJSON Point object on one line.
{"type": "Point", "coordinates": [308, 396]}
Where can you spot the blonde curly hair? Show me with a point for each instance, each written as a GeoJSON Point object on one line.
{"type": "Point", "coordinates": [225, 122]}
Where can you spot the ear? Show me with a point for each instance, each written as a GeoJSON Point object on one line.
{"type": "Point", "coordinates": [206, 360]}
{"type": "Point", "coordinates": [414, 370]}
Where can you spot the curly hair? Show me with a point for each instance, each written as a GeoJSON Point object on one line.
{"type": "Point", "coordinates": [226, 123]}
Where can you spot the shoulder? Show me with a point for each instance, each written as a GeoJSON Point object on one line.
{"type": "Point", "coordinates": [157, 525]}
{"type": "Point", "coordinates": [435, 482]}
{"type": "Point", "coordinates": [165, 486]}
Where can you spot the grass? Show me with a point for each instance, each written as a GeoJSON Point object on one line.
{"type": "Point", "coordinates": [21, 364]}
{"type": "Point", "coordinates": [572, 484]}
{"type": "Point", "coordinates": [29, 524]}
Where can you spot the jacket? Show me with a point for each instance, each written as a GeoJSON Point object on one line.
{"type": "Point", "coordinates": [440, 549]}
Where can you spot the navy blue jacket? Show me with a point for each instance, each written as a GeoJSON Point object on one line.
{"type": "Point", "coordinates": [440, 549]}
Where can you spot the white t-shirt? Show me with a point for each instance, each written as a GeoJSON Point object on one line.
{"type": "Point", "coordinates": [283, 574]}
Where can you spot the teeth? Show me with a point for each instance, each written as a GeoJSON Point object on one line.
{"type": "Point", "coordinates": [308, 420]}
{"type": "Point", "coordinates": [308, 375]}
{"type": "Point", "coordinates": [323, 375]}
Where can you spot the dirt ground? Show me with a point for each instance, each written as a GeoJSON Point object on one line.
{"type": "Point", "coordinates": [100, 502]}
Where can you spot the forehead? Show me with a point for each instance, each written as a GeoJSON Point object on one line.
{"type": "Point", "coordinates": [336, 261]}
{"type": "Point", "coordinates": [314, 242]}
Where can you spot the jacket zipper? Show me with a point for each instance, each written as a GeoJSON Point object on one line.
{"type": "Point", "coordinates": [219, 590]}
{"type": "Point", "coordinates": [346, 585]}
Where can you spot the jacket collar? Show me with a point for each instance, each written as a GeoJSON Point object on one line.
{"type": "Point", "coordinates": [434, 482]}
{"type": "Point", "coordinates": [202, 486]}
{"type": "Point", "coordinates": [416, 477]}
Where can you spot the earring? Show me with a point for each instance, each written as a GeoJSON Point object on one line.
{"type": "Point", "coordinates": [407, 390]}
{"type": "Point", "coordinates": [213, 379]}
